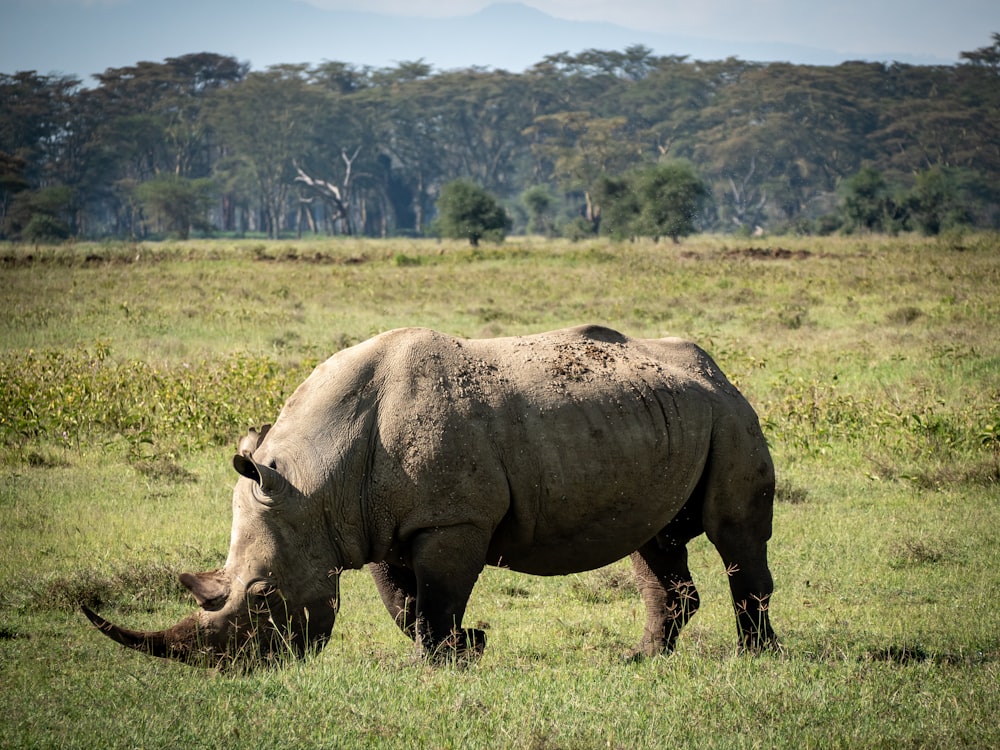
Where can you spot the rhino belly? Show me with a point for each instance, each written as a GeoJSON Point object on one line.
{"type": "Point", "coordinates": [574, 535]}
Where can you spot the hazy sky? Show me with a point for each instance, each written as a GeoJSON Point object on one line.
{"type": "Point", "coordinates": [938, 27]}
{"type": "Point", "coordinates": [84, 37]}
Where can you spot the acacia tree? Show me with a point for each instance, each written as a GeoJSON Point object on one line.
{"type": "Point", "coordinates": [265, 121]}
{"type": "Point", "coordinates": [409, 145]}
{"type": "Point", "coordinates": [465, 210]}
{"type": "Point", "coordinates": [35, 111]}
{"type": "Point", "coordinates": [36, 114]}
{"type": "Point", "coordinates": [778, 138]}
{"type": "Point", "coordinates": [620, 206]}
{"type": "Point", "coordinates": [346, 168]}
{"type": "Point", "coordinates": [479, 121]}
{"type": "Point", "coordinates": [12, 182]}
{"type": "Point", "coordinates": [581, 150]}
{"type": "Point", "coordinates": [666, 107]}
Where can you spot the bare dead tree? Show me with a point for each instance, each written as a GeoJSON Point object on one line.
{"type": "Point", "coordinates": [334, 197]}
{"type": "Point", "coordinates": [747, 202]}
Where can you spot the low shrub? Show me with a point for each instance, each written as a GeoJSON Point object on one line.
{"type": "Point", "coordinates": [80, 394]}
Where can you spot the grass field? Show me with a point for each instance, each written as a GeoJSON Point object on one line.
{"type": "Point", "coordinates": [128, 372]}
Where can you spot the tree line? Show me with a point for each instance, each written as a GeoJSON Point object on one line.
{"type": "Point", "coordinates": [600, 141]}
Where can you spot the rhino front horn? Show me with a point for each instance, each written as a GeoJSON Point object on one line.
{"type": "Point", "coordinates": [176, 643]}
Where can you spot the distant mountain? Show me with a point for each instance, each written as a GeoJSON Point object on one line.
{"type": "Point", "coordinates": [84, 40]}
{"type": "Point", "coordinates": [529, 35]}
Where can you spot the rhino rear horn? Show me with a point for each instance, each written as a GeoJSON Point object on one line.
{"type": "Point", "coordinates": [252, 440]}
{"type": "Point", "coordinates": [210, 590]}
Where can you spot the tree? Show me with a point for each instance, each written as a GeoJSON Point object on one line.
{"type": "Point", "coordinates": [938, 201]}
{"type": "Point", "coordinates": [178, 203]}
{"type": "Point", "coordinates": [662, 200]}
{"type": "Point", "coordinates": [621, 206]}
{"type": "Point", "coordinates": [539, 202]}
{"type": "Point", "coordinates": [466, 210]}
{"type": "Point", "coordinates": [582, 149]}
{"type": "Point", "coordinates": [867, 203]}
{"type": "Point", "coordinates": [35, 111]}
{"type": "Point", "coordinates": [343, 175]}
{"type": "Point", "coordinates": [12, 182]}
{"type": "Point", "coordinates": [266, 121]}
{"type": "Point", "coordinates": [672, 195]}
{"type": "Point", "coordinates": [479, 118]}
{"type": "Point", "coordinates": [985, 57]}
{"type": "Point", "coordinates": [665, 107]}
{"type": "Point", "coordinates": [39, 215]}
{"type": "Point", "coordinates": [777, 142]}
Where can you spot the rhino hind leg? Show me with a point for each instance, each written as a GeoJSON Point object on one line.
{"type": "Point", "coordinates": [751, 585]}
{"type": "Point", "coordinates": [738, 507]}
{"type": "Point", "coordinates": [669, 593]}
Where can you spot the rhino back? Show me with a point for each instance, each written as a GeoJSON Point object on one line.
{"type": "Point", "coordinates": [570, 449]}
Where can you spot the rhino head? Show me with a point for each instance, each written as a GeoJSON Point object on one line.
{"type": "Point", "coordinates": [277, 594]}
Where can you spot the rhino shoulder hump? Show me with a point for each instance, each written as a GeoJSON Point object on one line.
{"type": "Point", "coordinates": [599, 333]}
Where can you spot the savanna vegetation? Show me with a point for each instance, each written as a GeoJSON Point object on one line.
{"type": "Point", "coordinates": [128, 370]}
{"type": "Point", "coordinates": [200, 143]}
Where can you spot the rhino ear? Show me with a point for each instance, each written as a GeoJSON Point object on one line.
{"type": "Point", "coordinates": [210, 589]}
{"type": "Point", "coordinates": [269, 479]}
{"type": "Point", "coordinates": [245, 467]}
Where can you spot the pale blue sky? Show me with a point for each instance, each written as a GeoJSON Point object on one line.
{"type": "Point", "coordinates": [83, 37]}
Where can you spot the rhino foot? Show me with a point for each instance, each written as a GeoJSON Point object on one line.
{"type": "Point", "coordinates": [461, 646]}
{"type": "Point", "coordinates": [647, 650]}
{"type": "Point", "coordinates": [760, 644]}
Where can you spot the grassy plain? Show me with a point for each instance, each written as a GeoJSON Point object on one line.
{"type": "Point", "coordinates": [129, 370]}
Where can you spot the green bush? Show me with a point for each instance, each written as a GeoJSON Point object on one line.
{"type": "Point", "coordinates": [466, 211]}
{"type": "Point", "coordinates": [45, 228]}
{"type": "Point", "coordinates": [84, 393]}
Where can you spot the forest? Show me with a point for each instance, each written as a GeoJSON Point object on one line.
{"type": "Point", "coordinates": [201, 144]}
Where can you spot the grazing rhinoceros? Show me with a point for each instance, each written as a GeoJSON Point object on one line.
{"type": "Point", "coordinates": [428, 457]}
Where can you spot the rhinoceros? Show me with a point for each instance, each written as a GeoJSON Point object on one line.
{"type": "Point", "coordinates": [427, 457]}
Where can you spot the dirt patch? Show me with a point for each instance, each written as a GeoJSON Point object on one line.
{"type": "Point", "coordinates": [69, 259]}
{"type": "Point", "coordinates": [767, 253]}
{"type": "Point", "coordinates": [322, 259]}
{"type": "Point", "coordinates": [128, 257]}
{"type": "Point", "coordinates": [575, 360]}
{"type": "Point", "coordinates": [15, 261]}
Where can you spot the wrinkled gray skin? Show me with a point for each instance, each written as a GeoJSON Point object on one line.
{"type": "Point", "coordinates": [427, 457]}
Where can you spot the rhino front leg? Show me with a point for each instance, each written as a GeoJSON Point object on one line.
{"type": "Point", "coordinates": [446, 565]}
{"type": "Point", "coordinates": [668, 592]}
{"type": "Point", "coordinates": [398, 588]}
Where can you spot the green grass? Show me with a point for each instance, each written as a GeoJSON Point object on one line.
{"type": "Point", "coordinates": [128, 371]}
